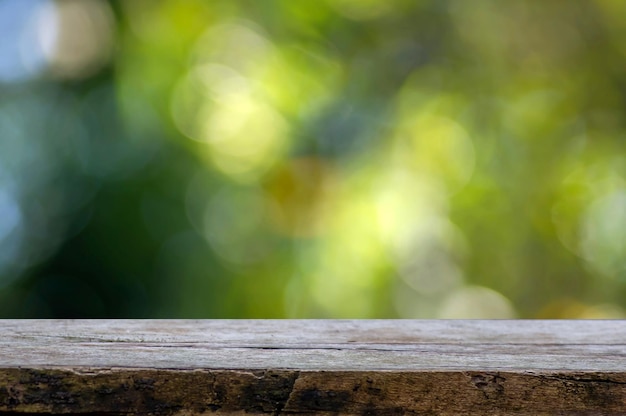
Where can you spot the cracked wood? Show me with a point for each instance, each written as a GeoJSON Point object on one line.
{"type": "Point", "coordinates": [186, 367]}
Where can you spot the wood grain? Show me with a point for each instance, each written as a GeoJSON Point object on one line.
{"type": "Point", "coordinates": [379, 367]}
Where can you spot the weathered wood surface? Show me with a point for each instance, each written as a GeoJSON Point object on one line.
{"type": "Point", "coordinates": [383, 367]}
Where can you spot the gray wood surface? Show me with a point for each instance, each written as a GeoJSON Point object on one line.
{"type": "Point", "coordinates": [385, 367]}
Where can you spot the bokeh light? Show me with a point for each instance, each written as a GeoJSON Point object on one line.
{"type": "Point", "coordinates": [83, 38]}
{"type": "Point", "coordinates": [332, 158]}
{"type": "Point", "coordinates": [25, 30]}
{"type": "Point", "coordinates": [65, 38]}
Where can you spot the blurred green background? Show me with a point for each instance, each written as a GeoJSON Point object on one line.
{"type": "Point", "coordinates": [313, 158]}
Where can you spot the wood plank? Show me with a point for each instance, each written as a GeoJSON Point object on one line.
{"type": "Point", "coordinates": [193, 367]}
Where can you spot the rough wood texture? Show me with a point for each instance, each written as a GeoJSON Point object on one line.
{"type": "Point", "coordinates": [172, 367]}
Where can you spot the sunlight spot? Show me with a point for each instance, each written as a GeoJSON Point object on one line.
{"type": "Point", "coordinates": [84, 38]}
{"type": "Point", "coordinates": [603, 239]}
{"type": "Point", "coordinates": [220, 103]}
{"type": "Point", "coordinates": [436, 147]}
{"type": "Point", "coordinates": [476, 302]}
{"type": "Point", "coordinates": [27, 27]}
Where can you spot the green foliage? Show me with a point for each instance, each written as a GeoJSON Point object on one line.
{"type": "Point", "coordinates": [332, 158]}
